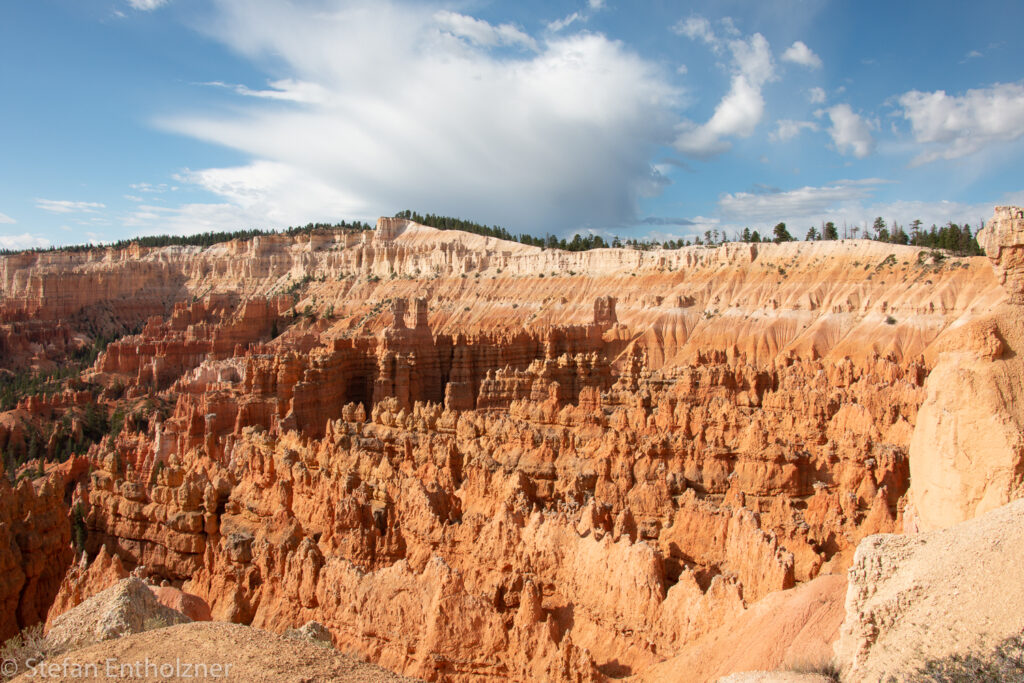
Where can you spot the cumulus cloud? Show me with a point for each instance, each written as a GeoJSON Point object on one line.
{"type": "Point", "coordinates": [596, 4]}
{"type": "Point", "coordinates": [951, 126]}
{"type": "Point", "coordinates": [23, 241]}
{"type": "Point", "coordinates": [816, 95]}
{"type": "Point", "coordinates": [433, 111]}
{"type": "Point", "coordinates": [4, 218]}
{"type": "Point", "coordinates": [788, 129]}
{"type": "Point", "coordinates": [799, 53]}
{"type": "Point", "coordinates": [697, 28]}
{"type": "Point", "coordinates": [741, 109]}
{"type": "Point", "coordinates": [147, 5]}
{"type": "Point", "coordinates": [66, 206]}
{"type": "Point", "coordinates": [850, 133]}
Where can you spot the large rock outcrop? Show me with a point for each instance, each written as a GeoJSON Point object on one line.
{"type": "Point", "coordinates": [914, 599]}
{"type": "Point", "coordinates": [967, 451]}
{"type": "Point", "coordinates": [127, 607]}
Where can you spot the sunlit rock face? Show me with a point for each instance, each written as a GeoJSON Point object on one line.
{"type": "Point", "coordinates": [471, 458]}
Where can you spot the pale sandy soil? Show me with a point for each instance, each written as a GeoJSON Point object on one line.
{"type": "Point", "coordinates": [247, 654]}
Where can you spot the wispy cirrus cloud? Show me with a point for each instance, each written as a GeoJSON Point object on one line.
{"type": "Point", "coordinates": [483, 33]}
{"type": "Point", "coordinates": [564, 22]}
{"type": "Point", "coordinates": [67, 206]}
{"type": "Point", "coordinates": [809, 200]}
{"type": "Point", "coordinates": [285, 90]}
{"type": "Point", "coordinates": [853, 202]}
{"type": "Point", "coordinates": [7, 220]}
{"type": "Point", "coordinates": [147, 5]}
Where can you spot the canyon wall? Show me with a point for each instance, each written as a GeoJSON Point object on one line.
{"type": "Point", "coordinates": [470, 458]}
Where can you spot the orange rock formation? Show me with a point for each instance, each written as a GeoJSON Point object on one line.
{"type": "Point", "coordinates": [470, 458]}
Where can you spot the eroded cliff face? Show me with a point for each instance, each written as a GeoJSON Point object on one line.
{"type": "Point", "coordinates": [35, 550]}
{"type": "Point", "coordinates": [470, 458]}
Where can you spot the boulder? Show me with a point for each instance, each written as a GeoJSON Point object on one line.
{"type": "Point", "coordinates": [127, 607]}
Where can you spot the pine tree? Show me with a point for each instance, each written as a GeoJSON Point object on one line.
{"type": "Point", "coordinates": [781, 233]}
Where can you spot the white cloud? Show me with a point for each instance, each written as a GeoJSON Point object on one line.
{"type": "Point", "coordinates": [262, 194]}
{"type": "Point", "coordinates": [788, 129]}
{"type": "Point", "coordinates": [559, 24]}
{"type": "Point", "coordinates": [147, 5]}
{"type": "Point", "coordinates": [481, 32]}
{"type": "Point", "coordinates": [596, 4]}
{"type": "Point", "coordinates": [850, 133]}
{"type": "Point", "coordinates": [950, 126]}
{"type": "Point", "coordinates": [23, 241]}
{"type": "Point", "coordinates": [66, 206]}
{"type": "Point", "coordinates": [682, 69]}
{"type": "Point", "coordinates": [5, 219]}
{"type": "Point", "coordinates": [286, 90]}
{"type": "Point", "coordinates": [775, 206]}
{"type": "Point", "coordinates": [846, 201]}
{"type": "Point", "coordinates": [697, 28]}
{"type": "Point", "coordinates": [150, 188]}
{"type": "Point", "coordinates": [418, 117]}
{"type": "Point", "coordinates": [816, 95]}
{"type": "Point", "coordinates": [741, 109]}
{"type": "Point", "coordinates": [799, 53]}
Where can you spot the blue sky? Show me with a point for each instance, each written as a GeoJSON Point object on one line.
{"type": "Point", "coordinates": [664, 119]}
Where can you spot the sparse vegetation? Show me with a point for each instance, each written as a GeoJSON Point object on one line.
{"type": "Point", "coordinates": [154, 622]}
{"type": "Point", "coordinates": [22, 649]}
{"type": "Point", "coordinates": [78, 531]}
{"type": "Point", "coordinates": [823, 667]}
{"type": "Point", "coordinates": [1005, 663]}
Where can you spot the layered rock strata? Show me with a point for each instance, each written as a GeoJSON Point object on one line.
{"type": "Point", "coordinates": [467, 460]}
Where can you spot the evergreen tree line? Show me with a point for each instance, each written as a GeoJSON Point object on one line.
{"type": "Point", "coordinates": [955, 238]}
{"type": "Point", "coordinates": [952, 237]}
{"type": "Point", "coordinates": [204, 239]}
